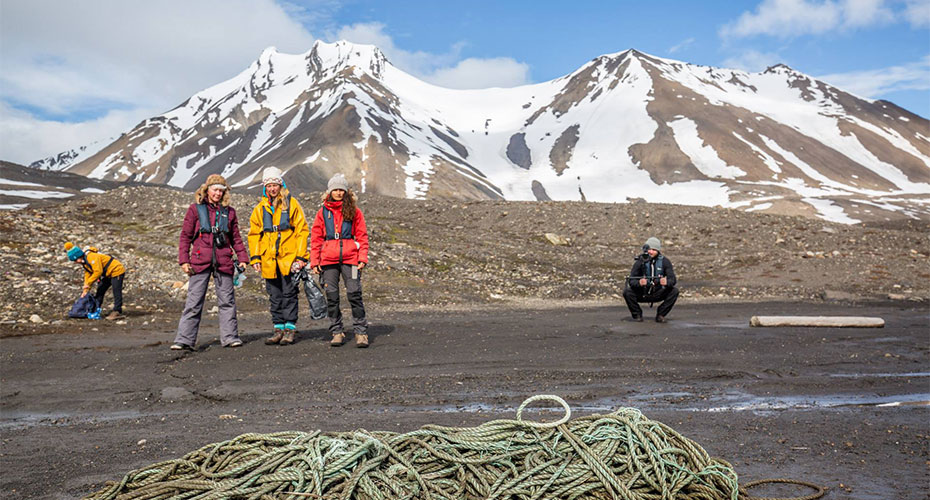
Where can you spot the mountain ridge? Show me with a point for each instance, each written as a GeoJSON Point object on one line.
{"type": "Point", "coordinates": [623, 126]}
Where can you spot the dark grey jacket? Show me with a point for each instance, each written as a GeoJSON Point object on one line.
{"type": "Point", "coordinates": [645, 266]}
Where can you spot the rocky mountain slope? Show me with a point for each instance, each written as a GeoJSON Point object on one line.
{"type": "Point", "coordinates": [429, 253]}
{"type": "Point", "coordinates": [623, 126]}
{"type": "Point", "coordinates": [21, 186]}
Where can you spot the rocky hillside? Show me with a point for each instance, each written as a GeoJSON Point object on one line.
{"type": "Point", "coordinates": [21, 186]}
{"type": "Point", "coordinates": [623, 126]}
{"type": "Point", "coordinates": [431, 252]}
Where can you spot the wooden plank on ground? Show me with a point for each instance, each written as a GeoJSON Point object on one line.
{"type": "Point", "coordinates": [824, 321]}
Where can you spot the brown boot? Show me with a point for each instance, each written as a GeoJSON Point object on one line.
{"type": "Point", "coordinates": [288, 337]}
{"type": "Point", "coordinates": [114, 315]}
{"type": "Point", "coordinates": [361, 340]}
{"type": "Point", "coordinates": [274, 339]}
{"type": "Point", "coordinates": [338, 339]}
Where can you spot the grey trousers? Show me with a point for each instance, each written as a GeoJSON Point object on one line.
{"type": "Point", "coordinates": [189, 324]}
{"type": "Point", "coordinates": [353, 293]}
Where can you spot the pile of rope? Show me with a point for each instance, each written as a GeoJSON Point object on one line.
{"type": "Point", "coordinates": [622, 455]}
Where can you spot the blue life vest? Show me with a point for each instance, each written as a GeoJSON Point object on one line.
{"type": "Point", "coordinates": [330, 223]}
{"type": "Point", "coordinates": [655, 270]}
{"type": "Point", "coordinates": [268, 219]}
{"type": "Point", "coordinates": [222, 219]}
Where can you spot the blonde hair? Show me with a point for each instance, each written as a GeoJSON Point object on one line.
{"type": "Point", "coordinates": [278, 201]}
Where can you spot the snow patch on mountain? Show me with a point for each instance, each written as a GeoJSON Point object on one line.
{"type": "Point", "coordinates": [703, 155]}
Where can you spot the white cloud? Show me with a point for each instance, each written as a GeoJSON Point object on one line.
{"type": "Point", "coordinates": [786, 18]}
{"type": "Point", "coordinates": [443, 69]}
{"type": "Point", "coordinates": [752, 60]}
{"type": "Point", "coordinates": [877, 82]}
{"type": "Point", "coordinates": [415, 62]}
{"type": "Point", "coordinates": [22, 134]}
{"type": "Point", "coordinates": [77, 72]}
{"type": "Point", "coordinates": [69, 60]}
{"type": "Point", "coordinates": [680, 45]}
{"type": "Point", "coordinates": [481, 73]}
{"type": "Point", "coordinates": [917, 12]}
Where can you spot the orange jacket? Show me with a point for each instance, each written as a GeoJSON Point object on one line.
{"type": "Point", "coordinates": [278, 250]}
{"type": "Point", "coordinates": [97, 265]}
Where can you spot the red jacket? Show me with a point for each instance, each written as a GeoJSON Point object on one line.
{"type": "Point", "coordinates": [195, 248]}
{"type": "Point", "coordinates": [339, 250]}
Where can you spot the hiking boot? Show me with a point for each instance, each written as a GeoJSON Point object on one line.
{"type": "Point", "coordinates": [274, 339]}
{"type": "Point", "coordinates": [288, 337]}
{"type": "Point", "coordinates": [660, 318]}
{"type": "Point", "coordinates": [114, 315]}
{"type": "Point", "coordinates": [181, 347]}
{"type": "Point", "coordinates": [338, 339]}
{"type": "Point", "coordinates": [638, 318]}
{"type": "Point", "coordinates": [234, 343]}
{"type": "Point", "coordinates": [361, 340]}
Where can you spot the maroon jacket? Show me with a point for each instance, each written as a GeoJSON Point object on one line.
{"type": "Point", "coordinates": [195, 248]}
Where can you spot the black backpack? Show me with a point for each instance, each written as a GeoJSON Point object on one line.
{"type": "Point", "coordinates": [83, 306]}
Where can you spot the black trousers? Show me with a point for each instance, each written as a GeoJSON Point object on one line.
{"type": "Point", "coordinates": [282, 293]}
{"type": "Point", "coordinates": [105, 283]}
{"type": "Point", "coordinates": [667, 296]}
{"type": "Point", "coordinates": [331, 276]}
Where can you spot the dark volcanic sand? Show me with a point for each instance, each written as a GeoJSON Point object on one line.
{"type": "Point", "coordinates": [775, 402]}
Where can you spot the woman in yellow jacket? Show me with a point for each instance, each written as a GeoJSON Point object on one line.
{"type": "Point", "coordinates": [98, 266]}
{"type": "Point", "coordinates": [278, 235]}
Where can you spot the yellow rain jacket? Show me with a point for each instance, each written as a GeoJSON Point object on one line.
{"type": "Point", "coordinates": [277, 249]}
{"type": "Point", "coordinates": [98, 264]}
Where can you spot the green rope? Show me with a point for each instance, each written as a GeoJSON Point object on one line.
{"type": "Point", "coordinates": [620, 456]}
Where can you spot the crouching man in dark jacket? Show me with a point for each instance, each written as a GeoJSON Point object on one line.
{"type": "Point", "coordinates": [652, 279]}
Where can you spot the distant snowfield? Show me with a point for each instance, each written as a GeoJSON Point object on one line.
{"type": "Point", "coordinates": [38, 195]}
{"type": "Point", "coordinates": [14, 206]}
{"type": "Point", "coordinates": [8, 182]}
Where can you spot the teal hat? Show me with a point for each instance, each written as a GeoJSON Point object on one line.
{"type": "Point", "coordinates": [74, 252]}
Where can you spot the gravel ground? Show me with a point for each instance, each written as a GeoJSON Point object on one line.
{"type": "Point", "coordinates": [448, 254]}
{"type": "Point", "coordinates": [804, 403]}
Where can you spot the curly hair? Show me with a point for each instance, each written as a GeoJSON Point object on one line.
{"type": "Point", "coordinates": [348, 203]}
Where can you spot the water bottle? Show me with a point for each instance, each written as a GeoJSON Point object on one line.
{"type": "Point", "coordinates": [239, 275]}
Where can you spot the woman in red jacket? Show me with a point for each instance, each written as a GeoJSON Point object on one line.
{"type": "Point", "coordinates": [339, 247]}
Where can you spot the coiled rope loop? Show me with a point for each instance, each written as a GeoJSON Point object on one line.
{"type": "Point", "coordinates": [619, 456]}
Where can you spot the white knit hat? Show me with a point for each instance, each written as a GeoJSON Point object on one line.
{"type": "Point", "coordinates": [272, 175]}
{"type": "Point", "coordinates": [338, 181]}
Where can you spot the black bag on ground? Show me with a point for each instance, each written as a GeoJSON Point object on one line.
{"type": "Point", "coordinates": [314, 295]}
{"type": "Point", "coordinates": [83, 306]}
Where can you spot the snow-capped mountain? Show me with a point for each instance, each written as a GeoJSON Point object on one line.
{"type": "Point", "coordinates": [623, 126]}
{"type": "Point", "coordinates": [65, 159]}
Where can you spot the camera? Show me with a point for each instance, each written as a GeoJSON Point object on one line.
{"type": "Point", "coordinates": [220, 240]}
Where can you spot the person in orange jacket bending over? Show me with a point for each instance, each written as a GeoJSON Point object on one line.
{"type": "Point", "coordinates": [98, 266]}
{"type": "Point", "coordinates": [339, 247]}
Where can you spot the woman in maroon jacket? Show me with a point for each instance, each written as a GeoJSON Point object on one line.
{"type": "Point", "coordinates": [209, 237]}
{"type": "Point", "coordinates": [339, 247]}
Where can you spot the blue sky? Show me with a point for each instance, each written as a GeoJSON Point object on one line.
{"type": "Point", "coordinates": [71, 74]}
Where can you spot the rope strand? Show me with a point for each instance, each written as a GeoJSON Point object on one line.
{"type": "Point", "coordinates": [619, 456]}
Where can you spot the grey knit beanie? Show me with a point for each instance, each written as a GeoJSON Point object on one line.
{"type": "Point", "coordinates": [338, 181]}
{"type": "Point", "coordinates": [653, 242]}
